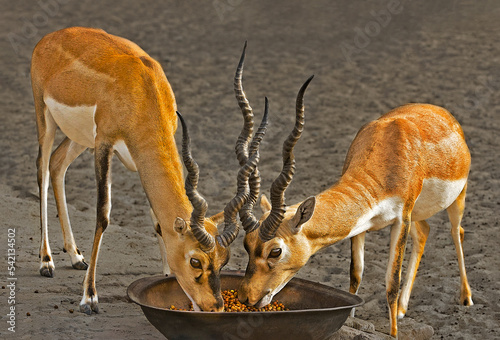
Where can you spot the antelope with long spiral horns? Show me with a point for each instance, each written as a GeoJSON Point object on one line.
{"type": "Point", "coordinates": [105, 93]}
{"type": "Point", "coordinates": [400, 170]}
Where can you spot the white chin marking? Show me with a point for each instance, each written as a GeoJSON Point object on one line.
{"type": "Point", "coordinates": [265, 300]}
{"type": "Point", "coordinates": [195, 306]}
{"type": "Point", "coordinates": [269, 297]}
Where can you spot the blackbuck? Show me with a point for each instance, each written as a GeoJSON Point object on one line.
{"type": "Point", "coordinates": [105, 93]}
{"type": "Point", "coordinates": [400, 170]}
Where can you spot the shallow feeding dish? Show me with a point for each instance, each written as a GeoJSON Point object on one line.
{"type": "Point", "coordinates": [316, 311]}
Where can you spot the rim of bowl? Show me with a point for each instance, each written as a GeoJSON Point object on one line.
{"type": "Point", "coordinates": [146, 282]}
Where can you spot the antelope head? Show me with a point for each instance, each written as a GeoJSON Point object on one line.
{"type": "Point", "coordinates": [200, 252]}
{"type": "Point", "coordinates": [275, 245]}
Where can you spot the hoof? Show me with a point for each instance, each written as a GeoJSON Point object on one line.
{"type": "Point", "coordinates": [467, 302]}
{"type": "Point", "coordinates": [89, 308]}
{"type": "Point", "coordinates": [82, 265]}
{"type": "Point", "coordinates": [86, 309]}
{"type": "Point", "coordinates": [89, 304]}
{"type": "Point", "coordinates": [47, 271]}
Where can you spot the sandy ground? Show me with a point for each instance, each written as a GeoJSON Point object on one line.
{"type": "Point", "coordinates": [445, 53]}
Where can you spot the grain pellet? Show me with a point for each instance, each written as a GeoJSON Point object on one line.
{"type": "Point", "coordinates": [233, 305]}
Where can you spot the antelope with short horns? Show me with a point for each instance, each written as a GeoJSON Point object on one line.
{"type": "Point", "coordinates": [400, 170]}
{"type": "Point", "coordinates": [105, 93]}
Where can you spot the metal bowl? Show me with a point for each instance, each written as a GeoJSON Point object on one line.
{"type": "Point", "coordinates": [316, 311]}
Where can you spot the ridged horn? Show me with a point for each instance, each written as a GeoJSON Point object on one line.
{"type": "Point", "coordinates": [246, 133]}
{"type": "Point", "coordinates": [247, 218]}
{"type": "Point", "coordinates": [271, 224]}
{"type": "Point", "coordinates": [231, 227]}
{"type": "Point", "coordinates": [199, 204]}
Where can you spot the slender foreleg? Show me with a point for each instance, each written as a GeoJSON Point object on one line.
{"type": "Point", "coordinates": [399, 236]}
{"type": "Point", "coordinates": [103, 155]}
{"type": "Point", "coordinates": [357, 263]}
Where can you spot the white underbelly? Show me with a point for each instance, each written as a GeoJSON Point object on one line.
{"type": "Point", "coordinates": [436, 195]}
{"type": "Point", "coordinates": [76, 122]}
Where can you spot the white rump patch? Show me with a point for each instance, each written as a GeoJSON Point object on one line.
{"type": "Point", "coordinates": [436, 195]}
{"type": "Point", "coordinates": [76, 122]}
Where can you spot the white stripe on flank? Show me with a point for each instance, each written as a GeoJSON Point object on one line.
{"type": "Point", "coordinates": [383, 214]}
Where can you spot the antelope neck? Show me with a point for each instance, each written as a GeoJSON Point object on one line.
{"type": "Point", "coordinates": [161, 175]}
{"type": "Point", "coordinates": [348, 208]}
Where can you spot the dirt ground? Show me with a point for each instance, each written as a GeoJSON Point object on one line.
{"type": "Point", "coordinates": [367, 57]}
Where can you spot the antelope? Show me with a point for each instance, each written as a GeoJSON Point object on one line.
{"type": "Point", "coordinates": [105, 93]}
{"type": "Point", "coordinates": [400, 170]}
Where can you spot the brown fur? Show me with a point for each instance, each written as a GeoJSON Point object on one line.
{"type": "Point", "coordinates": [135, 104]}
{"type": "Point", "coordinates": [388, 159]}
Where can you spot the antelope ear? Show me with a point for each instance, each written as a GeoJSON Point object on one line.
{"type": "Point", "coordinates": [218, 218]}
{"type": "Point", "coordinates": [181, 226]}
{"type": "Point", "coordinates": [265, 205]}
{"type": "Point", "coordinates": [303, 214]}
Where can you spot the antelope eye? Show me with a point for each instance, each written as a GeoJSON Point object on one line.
{"type": "Point", "coordinates": [195, 263]}
{"type": "Point", "coordinates": [276, 252]}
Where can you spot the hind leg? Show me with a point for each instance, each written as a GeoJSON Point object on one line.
{"type": "Point", "coordinates": [64, 155]}
{"type": "Point", "coordinates": [419, 232]}
{"type": "Point", "coordinates": [46, 128]}
{"type": "Point", "coordinates": [455, 213]}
